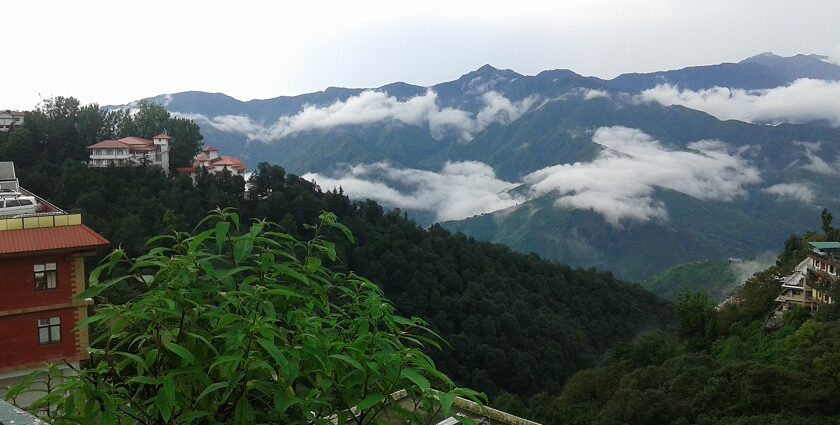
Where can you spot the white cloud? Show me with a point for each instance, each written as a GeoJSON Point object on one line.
{"type": "Point", "coordinates": [795, 191]}
{"type": "Point", "coordinates": [619, 184]}
{"type": "Point", "coordinates": [377, 106]}
{"type": "Point", "coordinates": [594, 94]}
{"type": "Point", "coordinates": [459, 190]}
{"type": "Point", "coordinates": [803, 100]}
{"type": "Point", "coordinates": [815, 163]}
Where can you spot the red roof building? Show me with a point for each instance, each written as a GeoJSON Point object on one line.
{"type": "Point", "coordinates": [42, 258]}
{"type": "Point", "coordinates": [210, 160]}
{"type": "Point", "coordinates": [131, 151]}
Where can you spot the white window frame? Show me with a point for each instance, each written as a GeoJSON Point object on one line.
{"type": "Point", "coordinates": [49, 330]}
{"type": "Point", "coordinates": [47, 274]}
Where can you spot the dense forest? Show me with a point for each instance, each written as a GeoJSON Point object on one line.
{"type": "Point", "coordinates": [718, 366]}
{"type": "Point", "coordinates": [516, 326]}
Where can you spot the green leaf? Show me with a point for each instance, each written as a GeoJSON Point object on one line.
{"type": "Point", "coordinates": [370, 401]}
{"type": "Point", "coordinates": [222, 229]}
{"type": "Point", "coordinates": [244, 413]}
{"type": "Point", "coordinates": [242, 249]}
{"type": "Point", "coordinates": [166, 399]}
{"type": "Point", "coordinates": [147, 380]}
{"type": "Point", "coordinates": [282, 401]}
{"type": "Point", "coordinates": [347, 359]}
{"type": "Point", "coordinates": [344, 229]}
{"type": "Point", "coordinates": [186, 418]}
{"type": "Point", "coordinates": [446, 400]}
{"type": "Point", "coordinates": [273, 351]}
{"type": "Point", "coordinates": [182, 352]}
{"type": "Point", "coordinates": [415, 377]}
{"type": "Point", "coordinates": [139, 362]}
{"type": "Point", "coordinates": [211, 388]}
{"type": "Point", "coordinates": [198, 239]}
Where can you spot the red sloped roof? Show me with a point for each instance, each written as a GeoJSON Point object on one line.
{"type": "Point", "coordinates": [209, 149]}
{"type": "Point", "coordinates": [162, 136]}
{"type": "Point", "coordinates": [229, 160]}
{"type": "Point", "coordinates": [75, 238]}
{"type": "Point", "coordinates": [109, 144]}
{"type": "Point", "coordinates": [131, 140]}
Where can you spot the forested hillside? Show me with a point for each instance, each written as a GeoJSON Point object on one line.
{"type": "Point", "coordinates": [717, 366]}
{"type": "Point", "coordinates": [515, 323]}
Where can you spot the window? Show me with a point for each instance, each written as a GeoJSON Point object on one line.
{"type": "Point", "coordinates": [45, 276]}
{"type": "Point", "coordinates": [12, 203]}
{"type": "Point", "coordinates": [25, 202]}
{"type": "Point", "coordinates": [49, 330]}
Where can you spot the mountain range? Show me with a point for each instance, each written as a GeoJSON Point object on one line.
{"type": "Point", "coordinates": [634, 175]}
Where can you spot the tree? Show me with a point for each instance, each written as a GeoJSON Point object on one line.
{"type": "Point", "coordinates": [826, 218]}
{"type": "Point", "coordinates": [186, 142]}
{"type": "Point", "coordinates": [148, 120]}
{"type": "Point", "coordinates": [696, 319]}
{"type": "Point", "coordinates": [247, 326]}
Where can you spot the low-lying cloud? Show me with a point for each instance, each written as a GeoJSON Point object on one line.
{"type": "Point", "coordinates": [802, 101]}
{"type": "Point", "coordinates": [619, 184]}
{"type": "Point", "coordinates": [793, 191]}
{"type": "Point", "coordinates": [377, 106]}
{"type": "Point", "coordinates": [459, 190]}
{"type": "Point", "coordinates": [816, 164]}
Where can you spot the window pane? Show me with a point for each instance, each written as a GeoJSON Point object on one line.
{"type": "Point", "coordinates": [55, 320]}
{"type": "Point", "coordinates": [51, 280]}
{"type": "Point", "coordinates": [43, 335]}
{"type": "Point", "coordinates": [38, 267]}
{"type": "Point", "coordinates": [55, 333]}
{"type": "Point", "coordinates": [43, 322]}
{"type": "Point", "coordinates": [40, 281]}
{"type": "Point", "coordinates": [49, 266]}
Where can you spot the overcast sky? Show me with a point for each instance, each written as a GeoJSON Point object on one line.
{"type": "Point", "coordinates": [113, 52]}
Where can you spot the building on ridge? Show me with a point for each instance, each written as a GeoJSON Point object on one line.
{"type": "Point", "coordinates": [810, 285]}
{"type": "Point", "coordinates": [210, 160]}
{"type": "Point", "coordinates": [10, 120]}
{"type": "Point", "coordinates": [130, 151]}
{"type": "Point", "coordinates": [42, 258]}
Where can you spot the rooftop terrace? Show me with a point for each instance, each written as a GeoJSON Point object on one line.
{"type": "Point", "coordinates": [829, 249]}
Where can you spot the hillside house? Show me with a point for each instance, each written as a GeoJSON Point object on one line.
{"type": "Point", "coordinates": [810, 284]}
{"type": "Point", "coordinates": [130, 151]}
{"type": "Point", "coordinates": [210, 160]}
{"type": "Point", "coordinates": [10, 120]}
{"type": "Point", "coordinates": [822, 270]}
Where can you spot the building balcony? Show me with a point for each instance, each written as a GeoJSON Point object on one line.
{"type": "Point", "coordinates": [799, 299]}
{"type": "Point", "coordinates": [111, 156]}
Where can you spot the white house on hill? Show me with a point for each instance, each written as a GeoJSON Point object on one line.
{"type": "Point", "coordinates": [130, 151]}
{"type": "Point", "coordinates": [10, 119]}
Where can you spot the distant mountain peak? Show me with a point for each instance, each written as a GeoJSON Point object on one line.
{"type": "Point", "coordinates": [490, 70]}
{"type": "Point", "coordinates": [761, 56]}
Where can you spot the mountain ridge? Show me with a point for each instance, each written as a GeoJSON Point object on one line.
{"type": "Point", "coordinates": [517, 125]}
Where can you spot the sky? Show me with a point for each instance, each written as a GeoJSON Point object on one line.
{"type": "Point", "coordinates": [113, 52]}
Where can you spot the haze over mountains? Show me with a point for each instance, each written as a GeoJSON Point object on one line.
{"type": "Point", "coordinates": [633, 175]}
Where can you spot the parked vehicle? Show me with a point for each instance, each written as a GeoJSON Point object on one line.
{"type": "Point", "coordinates": [17, 205]}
